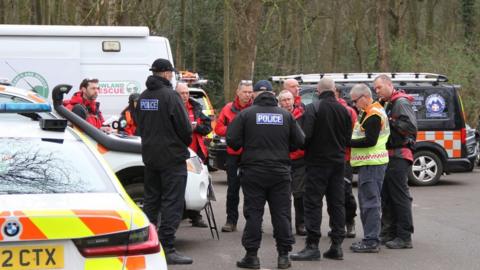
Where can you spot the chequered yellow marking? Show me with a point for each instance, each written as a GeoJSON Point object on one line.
{"type": "Point", "coordinates": [59, 224]}
{"type": "Point", "coordinates": [103, 264]}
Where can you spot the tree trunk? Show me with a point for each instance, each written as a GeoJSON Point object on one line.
{"type": "Point", "coordinates": [180, 45]}
{"type": "Point", "coordinates": [429, 31]}
{"type": "Point", "coordinates": [226, 50]}
{"type": "Point", "coordinates": [468, 18]}
{"type": "Point", "coordinates": [381, 33]}
{"type": "Point", "coordinates": [247, 15]}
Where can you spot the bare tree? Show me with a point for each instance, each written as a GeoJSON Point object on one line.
{"type": "Point", "coordinates": [381, 33]}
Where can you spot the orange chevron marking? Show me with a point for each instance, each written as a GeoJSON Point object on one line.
{"type": "Point", "coordinates": [101, 222]}
{"type": "Point", "coordinates": [30, 231]}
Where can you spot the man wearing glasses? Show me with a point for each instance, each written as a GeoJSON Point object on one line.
{"type": "Point", "coordinates": [370, 155]}
{"type": "Point", "coordinates": [243, 100]}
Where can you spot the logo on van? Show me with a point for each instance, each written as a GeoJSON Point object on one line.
{"type": "Point", "coordinates": [435, 104]}
{"type": "Point", "coordinates": [32, 80]}
{"type": "Point", "coordinates": [118, 88]}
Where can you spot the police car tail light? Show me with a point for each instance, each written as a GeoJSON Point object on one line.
{"type": "Point", "coordinates": [463, 136]}
{"type": "Point", "coordinates": [142, 241]}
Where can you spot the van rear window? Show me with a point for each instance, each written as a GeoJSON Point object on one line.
{"type": "Point", "coordinates": [435, 108]}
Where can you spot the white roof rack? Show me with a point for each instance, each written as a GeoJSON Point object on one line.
{"type": "Point", "coordinates": [363, 77]}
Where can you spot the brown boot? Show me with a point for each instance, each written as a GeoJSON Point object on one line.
{"type": "Point", "coordinates": [229, 227]}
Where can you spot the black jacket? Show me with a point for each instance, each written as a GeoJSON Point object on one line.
{"type": "Point", "coordinates": [163, 125]}
{"type": "Point", "coordinates": [205, 127]}
{"type": "Point", "coordinates": [328, 129]}
{"type": "Point", "coordinates": [267, 134]}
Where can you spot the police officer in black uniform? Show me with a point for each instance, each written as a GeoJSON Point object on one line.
{"type": "Point", "coordinates": [267, 134]}
{"type": "Point", "coordinates": [166, 133]}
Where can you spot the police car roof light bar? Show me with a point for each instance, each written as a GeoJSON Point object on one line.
{"type": "Point", "coordinates": [362, 77]}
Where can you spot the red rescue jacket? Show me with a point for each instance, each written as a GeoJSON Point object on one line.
{"type": "Point", "coordinates": [297, 112]}
{"type": "Point", "coordinates": [228, 113]}
{"type": "Point", "coordinates": [353, 117]}
{"type": "Point", "coordinates": [203, 127]}
{"type": "Point", "coordinates": [93, 114]}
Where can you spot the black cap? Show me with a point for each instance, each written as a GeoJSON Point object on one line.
{"type": "Point", "coordinates": [263, 85]}
{"type": "Point", "coordinates": [161, 65]}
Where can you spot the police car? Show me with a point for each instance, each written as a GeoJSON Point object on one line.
{"type": "Point", "coordinates": [444, 143]}
{"type": "Point", "coordinates": [123, 154]}
{"type": "Point", "coordinates": [61, 206]}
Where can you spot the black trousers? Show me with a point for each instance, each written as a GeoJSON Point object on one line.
{"type": "Point", "coordinates": [350, 203]}
{"type": "Point", "coordinates": [397, 219]}
{"type": "Point", "coordinates": [165, 193]}
{"type": "Point", "coordinates": [233, 188]}
{"type": "Point", "coordinates": [325, 181]}
{"type": "Point", "coordinates": [298, 189]}
{"type": "Point", "coordinates": [260, 186]}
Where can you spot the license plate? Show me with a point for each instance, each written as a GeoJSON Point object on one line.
{"type": "Point", "coordinates": [31, 257]}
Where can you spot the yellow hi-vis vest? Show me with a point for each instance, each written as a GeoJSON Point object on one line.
{"type": "Point", "coordinates": [377, 154]}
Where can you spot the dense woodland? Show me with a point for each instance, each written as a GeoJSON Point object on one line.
{"type": "Point", "coordinates": [230, 40]}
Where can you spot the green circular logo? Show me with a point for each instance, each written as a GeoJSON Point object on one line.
{"type": "Point", "coordinates": [32, 80]}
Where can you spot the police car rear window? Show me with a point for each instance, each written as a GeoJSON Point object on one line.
{"type": "Point", "coordinates": [199, 97]}
{"type": "Point", "coordinates": [40, 166]}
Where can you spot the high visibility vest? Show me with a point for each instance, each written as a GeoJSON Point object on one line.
{"type": "Point", "coordinates": [377, 154]}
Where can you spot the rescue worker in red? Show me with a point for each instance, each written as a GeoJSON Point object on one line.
{"type": "Point", "coordinates": [83, 103]}
{"type": "Point", "coordinates": [243, 99]}
{"type": "Point", "coordinates": [201, 126]}
{"type": "Point", "coordinates": [127, 122]}
{"type": "Point", "coordinates": [286, 101]}
{"type": "Point", "coordinates": [293, 87]}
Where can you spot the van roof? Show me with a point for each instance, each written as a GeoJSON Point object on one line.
{"type": "Point", "coordinates": [73, 30]}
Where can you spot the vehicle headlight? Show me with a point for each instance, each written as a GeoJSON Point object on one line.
{"type": "Point", "coordinates": [194, 164]}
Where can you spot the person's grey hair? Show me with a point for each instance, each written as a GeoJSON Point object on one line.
{"type": "Point", "coordinates": [284, 93]}
{"type": "Point", "coordinates": [181, 84]}
{"type": "Point", "coordinates": [383, 77]}
{"type": "Point", "coordinates": [326, 84]}
{"type": "Point", "coordinates": [244, 83]}
{"type": "Point", "coordinates": [361, 89]}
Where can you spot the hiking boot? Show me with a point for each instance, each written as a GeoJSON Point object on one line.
{"type": "Point", "coordinates": [249, 261]}
{"type": "Point", "coordinates": [300, 228]}
{"type": "Point", "coordinates": [399, 243]}
{"type": "Point", "coordinates": [173, 257]}
{"type": "Point", "coordinates": [199, 223]}
{"type": "Point", "coordinates": [229, 227]}
{"type": "Point", "coordinates": [334, 252]}
{"type": "Point", "coordinates": [350, 230]}
{"type": "Point", "coordinates": [385, 239]}
{"type": "Point", "coordinates": [364, 247]}
{"type": "Point", "coordinates": [309, 253]}
{"type": "Point", "coordinates": [283, 262]}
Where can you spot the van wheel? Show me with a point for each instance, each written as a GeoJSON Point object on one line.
{"type": "Point", "coordinates": [426, 169]}
{"type": "Point", "coordinates": [135, 191]}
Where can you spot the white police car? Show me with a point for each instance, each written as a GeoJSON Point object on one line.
{"type": "Point", "coordinates": [61, 206]}
{"type": "Point", "coordinates": [125, 161]}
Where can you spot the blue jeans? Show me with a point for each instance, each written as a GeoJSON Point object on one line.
{"type": "Point", "coordinates": [370, 181]}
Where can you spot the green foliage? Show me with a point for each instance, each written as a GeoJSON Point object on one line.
{"type": "Point", "coordinates": [459, 62]}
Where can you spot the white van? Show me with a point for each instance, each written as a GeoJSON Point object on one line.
{"type": "Point", "coordinates": [40, 57]}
